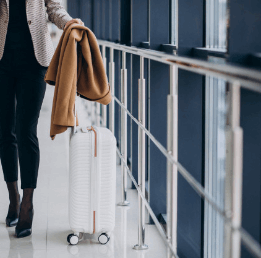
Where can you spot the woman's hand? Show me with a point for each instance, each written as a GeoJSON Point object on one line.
{"type": "Point", "coordinates": [79, 21]}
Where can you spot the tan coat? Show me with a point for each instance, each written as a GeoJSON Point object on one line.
{"type": "Point", "coordinates": [91, 78]}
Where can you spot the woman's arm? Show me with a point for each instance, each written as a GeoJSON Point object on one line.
{"type": "Point", "coordinates": [57, 14]}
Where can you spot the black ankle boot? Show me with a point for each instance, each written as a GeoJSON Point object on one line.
{"type": "Point", "coordinates": [25, 220]}
{"type": "Point", "coordinates": [14, 206]}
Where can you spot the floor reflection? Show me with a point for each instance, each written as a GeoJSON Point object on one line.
{"type": "Point", "coordinates": [89, 244]}
{"type": "Point", "coordinates": [123, 225]}
{"type": "Point", "coordinates": [19, 248]}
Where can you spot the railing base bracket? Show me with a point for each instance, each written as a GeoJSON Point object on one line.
{"type": "Point", "coordinates": [140, 247]}
{"type": "Point", "coordinates": [124, 203]}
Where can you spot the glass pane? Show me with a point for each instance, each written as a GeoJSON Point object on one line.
{"type": "Point", "coordinates": [174, 23]}
{"type": "Point", "coordinates": [216, 18]}
{"type": "Point", "coordinates": [215, 153]}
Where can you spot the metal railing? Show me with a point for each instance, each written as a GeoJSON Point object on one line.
{"type": "Point", "coordinates": [236, 78]}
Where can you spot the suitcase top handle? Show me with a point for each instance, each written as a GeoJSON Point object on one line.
{"type": "Point", "coordinates": [95, 134]}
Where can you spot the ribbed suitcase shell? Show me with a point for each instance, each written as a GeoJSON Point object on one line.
{"type": "Point", "coordinates": [92, 181]}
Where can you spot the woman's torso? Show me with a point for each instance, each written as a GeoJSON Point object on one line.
{"type": "Point", "coordinates": [33, 17]}
{"type": "Point", "coordinates": [18, 33]}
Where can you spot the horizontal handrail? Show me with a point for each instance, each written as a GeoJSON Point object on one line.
{"type": "Point", "coordinates": [248, 78]}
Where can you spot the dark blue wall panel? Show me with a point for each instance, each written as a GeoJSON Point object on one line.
{"type": "Point", "coordinates": [73, 8]}
{"type": "Point", "coordinates": [251, 125]}
{"type": "Point", "coordinates": [115, 21]}
{"type": "Point", "coordinates": [125, 22]}
{"type": "Point", "coordinates": [97, 18]}
{"type": "Point", "coordinates": [139, 22]}
{"type": "Point", "coordinates": [159, 23]}
{"type": "Point", "coordinates": [86, 12]}
{"type": "Point", "coordinates": [159, 89]}
{"type": "Point", "coordinates": [135, 77]}
{"type": "Point", "coordinates": [190, 153]}
{"type": "Point", "coordinates": [190, 26]}
{"type": "Point", "coordinates": [244, 31]}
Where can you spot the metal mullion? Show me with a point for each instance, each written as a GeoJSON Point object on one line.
{"type": "Point", "coordinates": [217, 160]}
{"type": "Point", "coordinates": [214, 182]}
{"type": "Point", "coordinates": [210, 211]}
{"type": "Point", "coordinates": [207, 24]}
{"type": "Point", "coordinates": [213, 213]}
{"type": "Point", "coordinates": [211, 21]}
{"type": "Point", "coordinates": [177, 24]}
{"type": "Point", "coordinates": [216, 23]}
{"type": "Point", "coordinates": [206, 233]}
{"type": "Point", "coordinates": [221, 24]}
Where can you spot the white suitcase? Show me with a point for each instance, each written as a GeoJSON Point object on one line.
{"type": "Point", "coordinates": [92, 183]}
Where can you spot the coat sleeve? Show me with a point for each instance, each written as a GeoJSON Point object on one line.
{"type": "Point", "coordinates": [56, 13]}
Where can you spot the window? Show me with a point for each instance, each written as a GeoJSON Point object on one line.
{"type": "Point", "coordinates": [174, 22]}
{"type": "Point", "coordinates": [216, 19]}
{"type": "Point", "coordinates": [215, 153]}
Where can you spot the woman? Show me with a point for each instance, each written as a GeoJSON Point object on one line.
{"type": "Point", "coordinates": [25, 53]}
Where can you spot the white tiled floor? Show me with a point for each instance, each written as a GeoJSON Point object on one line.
{"type": "Point", "coordinates": [50, 225]}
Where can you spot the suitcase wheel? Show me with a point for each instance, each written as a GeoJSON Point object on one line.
{"type": "Point", "coordinates": [103, 238]}
{"type": "Point", "coordinates": [72, 239]}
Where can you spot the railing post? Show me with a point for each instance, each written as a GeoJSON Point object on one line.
{"type": "Point", "coordinates": [104, 107]}
{"type": "Point", "coordinates": [233, 184]}
{"type": "Point", "coordinates": [172, 147]}
{"type": "Point", "coordinates": [124, 201]}
{"type": "Point", "coordinates": [141, 159]}
{"type": "Point", "coordinates": [112, 83]}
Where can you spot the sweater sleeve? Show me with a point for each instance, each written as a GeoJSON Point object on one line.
{"type": "Point", "coordinates": [56, 13]}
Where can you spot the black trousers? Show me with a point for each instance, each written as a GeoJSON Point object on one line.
{"type": "Point", "coordinates": [22, 90]}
